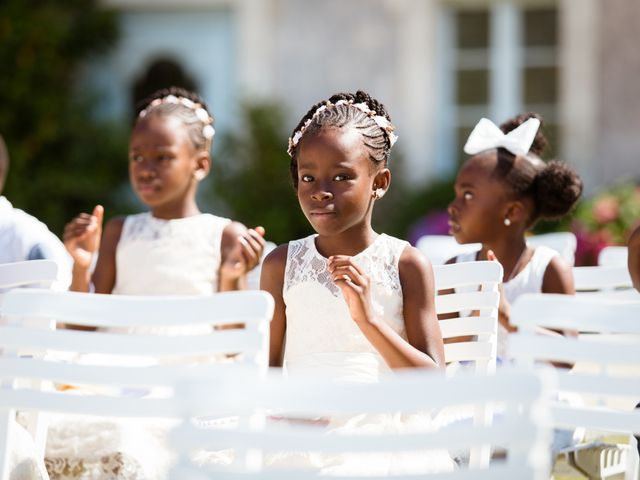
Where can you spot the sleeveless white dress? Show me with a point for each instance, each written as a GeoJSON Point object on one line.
{"type": "Point", "coordinates": [153, 257]}
{"type": "Point", "coordinates": [322, 339]}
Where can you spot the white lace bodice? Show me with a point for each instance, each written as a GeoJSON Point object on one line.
{"type": "Point", "coordinates": [528, 280]}
{"type": "Point", "coordinates": [320, 333]}
{"type": "Point", "coordinates": [169, 257]}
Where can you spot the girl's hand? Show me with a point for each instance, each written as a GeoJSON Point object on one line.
{"type": "Point", "coordinates": [355, 286]}
{"type": "Point", "coordinates": [245, 256]}
{"type": "Point", "coordinates": [82, 236]}
{"type": "Point", "coordinates": [504, 308]}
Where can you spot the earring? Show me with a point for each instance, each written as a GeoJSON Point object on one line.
{"type": "Point", "coordinates": [507, 222]}
{"type": "Point", "coordinates": [198, 174]}
{"type": "Point", "coordinates": [374, 194]}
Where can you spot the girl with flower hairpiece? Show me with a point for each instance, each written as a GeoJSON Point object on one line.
{"type": "Point", "coordinates": [173, 248]}
{"type": "Point", "coordinates": [349, 302]}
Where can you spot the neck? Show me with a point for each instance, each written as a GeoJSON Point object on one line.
{"type": "Point", "coordinates": [350, 242]}
{"type": "Point", "coordinates": [509, 250]}
{"type": "Point", "coordinates": [170, 212]}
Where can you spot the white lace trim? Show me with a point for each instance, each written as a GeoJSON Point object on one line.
{"type": "Point", "coordinates": [380, 260]}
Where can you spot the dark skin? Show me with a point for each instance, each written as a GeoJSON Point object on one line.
{"type": "Point", "coordinates": [335, 191]}
{"type": "Point", "coordinates": [633, 261]}
{"type": "Point", "coordinates": [477, 214]}
{"type": "Point", "coordinates": [165, 169]}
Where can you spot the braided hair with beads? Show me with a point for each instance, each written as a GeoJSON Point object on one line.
{"type": "Point", "coordinates": [359, 111]}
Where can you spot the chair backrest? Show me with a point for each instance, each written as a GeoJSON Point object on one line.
{"type": "Point", "coordinates": [440, 248]}
{"type": "Point", "coordinates": [41, 273]}
{"type": "Point", "coordinates": [601, 278]}
{"type": "Point", "coordinates": [414, 395]}
{"type": "Point", "coordinates": [108, 363]}
{"type": "Point", "coordinates": [475, 286]}
{"type": "Point", "coordinates": [613, 256]}
{"type": "Point", "coordinates": [605, 356]}
{"type": "Point", "coordinates": [562, 242]}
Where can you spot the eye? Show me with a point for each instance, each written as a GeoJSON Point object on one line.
{"type": "Point", "coordinates": [341, 177]}
{"type": "Point", "coordinates": [136, 158]}
{"type": "Point", "coordinates": [306, 178]}
{"type": "Point", "coordinates": [467, 195]}
{"type": "Point", "coordinates": [164, 157]}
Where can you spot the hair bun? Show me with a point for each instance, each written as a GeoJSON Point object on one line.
{"type": "Point", "coordinates": [540, 142]}
{"type": "Point", "coordinates": [558, 188]}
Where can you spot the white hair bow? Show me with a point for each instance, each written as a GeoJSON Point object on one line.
{"type": "Point", "coordinates": [486, 136]}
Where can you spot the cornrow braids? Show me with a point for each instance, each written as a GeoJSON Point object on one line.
{"type": "Point", "coordinates": [375, 127]}
{"type": "Point", "coordinates": [185, 105]}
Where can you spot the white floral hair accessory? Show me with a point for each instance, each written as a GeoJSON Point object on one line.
{"type": "Point", "coordinates": [201, 113]}
{"type": "Point", "coordinates": [486, 136]}
{"type": "Point", "coordinates": [386, 126]}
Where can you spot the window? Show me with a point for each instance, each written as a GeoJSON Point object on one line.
{"type": "Point", "coordinates": [499, 59]}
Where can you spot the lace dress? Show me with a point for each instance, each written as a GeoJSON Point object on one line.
{"type": "Point", "coordinates": [322, 338]}
{"type": "Point", "coordinates": [153, 257]}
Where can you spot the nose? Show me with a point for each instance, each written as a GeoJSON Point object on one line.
{"type": "Point", "coordinates": [145, 169]}
{"type": "Point", "coordinates": [452, 208]}
{"type": "Point", "coordinates": [321, 195]}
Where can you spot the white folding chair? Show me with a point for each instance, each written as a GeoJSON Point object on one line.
{"type": "Point", "coordinates": [440, 248]}
{"type": "Point", "coordinates": [167, 358]}
{"type": "Point", "coordinates": [606, 369]}
{"type": "Point", "coordinates": [40, 273]}
{"type": "Point", "coordinates": [613, 256]}
{"type": "Point", "coordinates": [475, 291]}
{"type": "Point", "coordinates": [475, 286]}
{"type": "Point", "coordinates": [601, 278]}
{"type": "Point", "coordinates": [562, 242]}
{"type": "Point", "coordinates": [415, 393]}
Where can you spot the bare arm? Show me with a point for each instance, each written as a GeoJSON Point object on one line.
{"type": "Point", "coordinates": [104, 276]}
{"type": "Point", "coordinates": [272, 281]}
{"type": "Point", "coordinates": [241, 251]}
{"type": "Point", "coordinates": [633, 261]}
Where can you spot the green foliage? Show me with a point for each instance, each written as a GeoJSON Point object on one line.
{"type": "Point", "coordinates": [253, 179]}
{"type": "Point", "coordinates": [62, 160]}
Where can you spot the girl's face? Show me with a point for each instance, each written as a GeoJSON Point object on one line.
{"type": "Point", "coordinates": [478, 210]}
{"type": "Point", "coordinates": [163, 164]}
{"type": "Point", "coordinates": [336, 180]}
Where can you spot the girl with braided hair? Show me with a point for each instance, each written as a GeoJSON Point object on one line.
{"type": "Point", "coordinates": [350, 302]}
{"type": "Point", "coordinates": [173, 248]}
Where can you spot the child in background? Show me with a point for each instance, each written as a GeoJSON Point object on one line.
{"type": "Point", "coordinates": [633, 260]}
{"type": "Point", "coordinates": [24, 237]}
{"type": "Point", "coordinates": [501, 191]}
{"type": "Point", "coordinates": [349, 301]}
{"type": "Point", "coordinates": [173, 249]}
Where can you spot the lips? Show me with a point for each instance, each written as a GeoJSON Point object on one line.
{"type": "Point", "coordinates": [454, 226]}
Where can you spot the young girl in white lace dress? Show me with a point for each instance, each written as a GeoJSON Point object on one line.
{"type": "Point", "coordinates": [350, 302]}
{"type": "Point", "coordinates": [173, 249]}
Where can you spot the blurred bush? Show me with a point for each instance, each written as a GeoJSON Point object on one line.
{"type": "Point", "coordinates": [62, 160]}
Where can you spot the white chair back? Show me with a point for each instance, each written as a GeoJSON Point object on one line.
{"type": "Point", "coordinates": [440, 248]}
{"type": "Point", "coordinates": [116, 362]}
{"type": "Point", "coordinates": [414, 394]}
{"type": "Point", "coordinates": [606, 370]}
{"type": "Point", "coordinates": [562, 242]}
{"type": "Point", "coordinates": [40, 273]}
{"type": "Point", "coordinates": [475, 286]}
{"type": "Point", "coordinates": [601, 278]}
{"type": "Point", "coordinates": [613, 256]}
